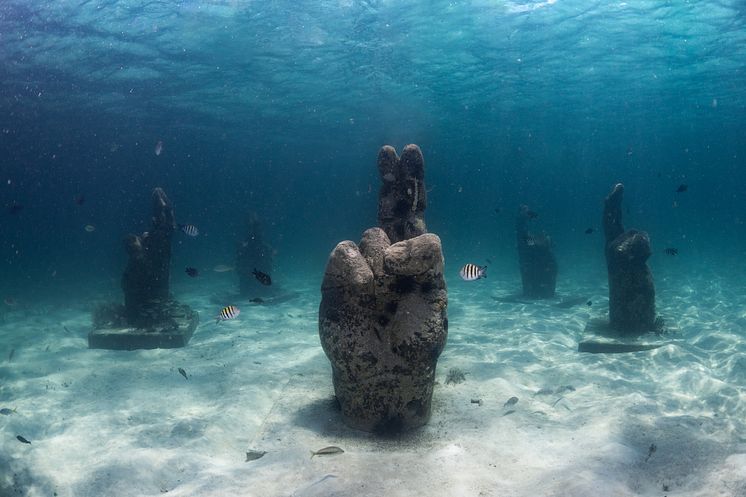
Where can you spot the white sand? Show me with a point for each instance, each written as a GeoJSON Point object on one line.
{"type": "Point", "coordinates": [107, 423]}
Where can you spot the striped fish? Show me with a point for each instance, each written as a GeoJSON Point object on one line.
{"type": "Point", "coordinates": [189, 229]}
{"type": "Point", "coordinates": [471, 272]}
{"type": "Point", "coordinates": [228, 312]}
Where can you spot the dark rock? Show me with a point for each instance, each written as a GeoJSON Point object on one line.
{"type": "Point", "coordinates": [631, 288]}
{"type": "Point", "coordinates": [536, 260]}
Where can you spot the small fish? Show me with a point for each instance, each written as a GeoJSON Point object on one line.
{"type": "Point", "coordinates": [7, 412]}
{"type": "Point", "coordinates": [327, 451]}
{"type": "Point", "coordinates": [262, 278]}
{"type": "Point", "coordinates": [544, 391]}
{"type": "Point", "coordinates": [12, 353]}
{"type": "Point", "coordinates": [508, 413]}
{"type": "Point", "coordinates": [14, 208]}
{"type": "Point", "coordinates": [253, 455]}
{"type": "Point", "coordinates": [228, 312]}
{"type": "Point", "coordinates": [22, 439]}
{"type": "Point", "coordinates": [566, 388]}
{"type": "Point", "coordinates": [471, 272]}
{"type": "Point", "coordinates": [257, 300]}
{"type": "Point", "coordinates": [189, 229]}
{"type": "Point", "coordinates": [682, 188]}
{"type": "Point", "coordinates": [589, 303]}
{"type": "Point", "coordinates": [589, 231]}
{"type": "Point", "coordinates": [511, 402]}
{"type": "Point", "coordinates": [671, 251]}
{"type": "Point", "coordinates": [158, 147]}
{"type": "Point", "coordinates": [498, 210]}
{"type": "Point", "coordinates": [79, 199]}
{"type": "Point", "coordinates": [183, 373]}
{"type": "Point", "coordinates": [476, 401]}
{"type": "Point", "coordinates": [89, 228]}
{"type": "Point", "coordinates": [651, 450]}
{"type": "Point", "coordinates": [192, 272]}
{"type": "Point", "coordinates": [222, 268]}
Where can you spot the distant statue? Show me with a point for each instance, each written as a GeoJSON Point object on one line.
{"type": "Point", "coordinates": [631, 288]}
{"type": "Point", "coordinates": [253, 253]}
{"type": "Point", "coordinates": [150, 317]}
{"type": "Point", "coordinates": [382, 319]}
{"type": "Point", "coordinates": [535, 257]}
{"type": "Point", "coordinates": [147, 276]}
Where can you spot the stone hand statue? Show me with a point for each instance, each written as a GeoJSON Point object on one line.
{"type": "Point", "coordinates": [383, 326]}
{"type": "Point", "coordinates": [382, 319]}
{"type": "Point", "coordinates": [631, 288]}
{"type": "Point", "coordinates": [146, 278]}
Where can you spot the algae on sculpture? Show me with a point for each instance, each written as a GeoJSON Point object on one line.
{"type": "Point", "coordinates": [382, 319]}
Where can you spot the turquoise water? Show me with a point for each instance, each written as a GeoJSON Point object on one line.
{"type": "Point", "coordinates": [280, 107]}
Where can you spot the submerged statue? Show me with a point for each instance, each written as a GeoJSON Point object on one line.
{"type": "Point", "coordinates": [146, 278]}
{"type": "Point", "coordinates": [535, 258]}
{"type": "Point", "coordinates": [382, 318]}
{"type": "Point", "coordinates": [631, 289]}
{"type": "Point", "coordinates": [150, 317]}
{"type": "Point", "coordinates": [253, 253]}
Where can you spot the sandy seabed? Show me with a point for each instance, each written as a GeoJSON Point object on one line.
{"type": "Point", "coordinates": [669, 421]}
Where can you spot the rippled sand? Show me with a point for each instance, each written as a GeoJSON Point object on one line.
{"type": "Point", "coordinates": [128, 424]}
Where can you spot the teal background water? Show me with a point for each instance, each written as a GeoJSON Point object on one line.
{"type": "Point", "coordinates": [280, 107]}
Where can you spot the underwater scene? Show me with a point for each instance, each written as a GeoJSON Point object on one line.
{"type": "Point", "coordinates": [372, 247]}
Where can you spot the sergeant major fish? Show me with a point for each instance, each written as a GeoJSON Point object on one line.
{"type": "Point", "coordinates": [228, 312]}
{"type": "Point", "coordinates": [471, 272]}
{"type": "Point", "coordinates": [189, 229]}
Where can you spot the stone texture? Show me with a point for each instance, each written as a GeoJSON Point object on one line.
{"type": "Point", "coordinates": [536, 260]}
{"type": "Point", "coordinates": [382, 318]}
{"type": "Point", "coordinates": [383, 327]}
{"type": "Point", "coordinates": [402, 198]}
{"type": "Point", "coordinates": [631, 288]}
{"type": "Point", "coordinates": [253, 253]}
